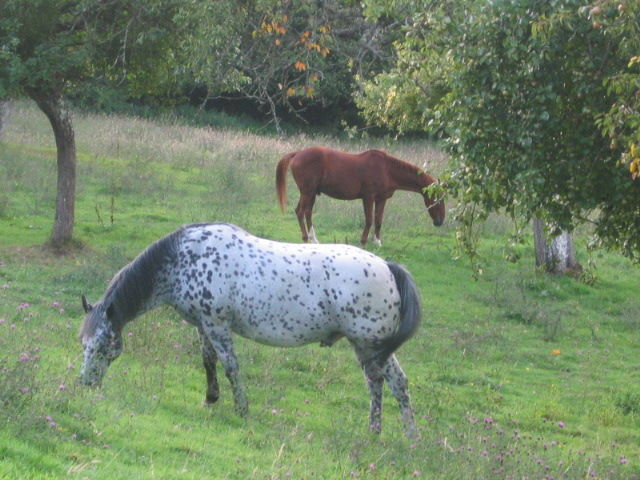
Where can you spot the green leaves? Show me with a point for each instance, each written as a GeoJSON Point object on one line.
{"type": "Point", "coordinates": [536, 103]}
{"type": "Point", "coordinates": [282, 56]}
{"type": "Point", "coordinates": [50, 45]}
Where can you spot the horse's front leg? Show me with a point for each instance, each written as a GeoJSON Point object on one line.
{"type": "Point", "coordinates": [380, 203]}
{"type": "Point", "coordinates": [222, 342]}
{"type": "Point", "coordinates": [367, 203]}
{"type": "Point", "coordinates": [209, 359]}
{"type": "Point", "coordinates": [397, 381]}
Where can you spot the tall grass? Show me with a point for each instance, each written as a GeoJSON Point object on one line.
{"type": "Point", "coordinates": [517, 375]}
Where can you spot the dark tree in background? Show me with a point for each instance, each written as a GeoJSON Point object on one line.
{"type": "Point", "coordinates": [5, 111]}
{"type": "Point", "coordinates": [286, 56]}
{"type": "Point", "coordinates": [49, 47]}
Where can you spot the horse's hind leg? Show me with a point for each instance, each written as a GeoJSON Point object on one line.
{"type": "Point", "coordinates": [308, 214]}
{"type": "Point", "coordinates": [301, 210]}
{"type": "Point", "coordinates": [209, 359]}
{"type": "Point", "coordinates": [397, 381]}
{"type": "Point", "coordinates": [375, 381]}
{"type": "Point", "coordinates": [367, 203]}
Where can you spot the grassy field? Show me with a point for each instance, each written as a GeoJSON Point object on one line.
{"type": "Point", "coordinates": [517, 375]}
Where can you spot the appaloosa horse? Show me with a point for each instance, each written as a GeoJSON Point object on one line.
{"type": "Point", "coordinates": [373, 176]}
{"type": "Point", "coordinates": [224, 280]}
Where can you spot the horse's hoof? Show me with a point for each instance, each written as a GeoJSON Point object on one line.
{"type": "Point", "coordinates": [375, 428]}
{"type": "Point", "coordinates": [412, 434]}
{"type": "Point", "coordinates": [242, 413]}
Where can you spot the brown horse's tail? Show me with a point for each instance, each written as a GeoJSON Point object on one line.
{"type": "Point", "coordinates": [281, 179]}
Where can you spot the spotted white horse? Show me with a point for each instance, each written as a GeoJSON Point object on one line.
{"type": "Point", "coordinates": [224, 280]}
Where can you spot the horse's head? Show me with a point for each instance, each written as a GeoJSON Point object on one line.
{"type": "Point", "coordinates": [101, 341]}
{"type": "Point", "coordinates": [436, 210]}
{"type": "Point", "coordinates": [434, 200]}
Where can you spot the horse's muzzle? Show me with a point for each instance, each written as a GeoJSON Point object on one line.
{"type": "Point", "coordinates": [438, 223]}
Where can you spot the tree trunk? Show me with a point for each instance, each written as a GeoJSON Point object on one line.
{"type": "Point", "coordinates": [60, 118]}
{"type": "Point", "coordinates": [555, 256]}
{"type": "Point", "coordinates": [6, 105]}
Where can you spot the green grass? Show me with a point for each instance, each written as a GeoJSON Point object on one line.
{"type": "Point", "coordinates": [516, 375]}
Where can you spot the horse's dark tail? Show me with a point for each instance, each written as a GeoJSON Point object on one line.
{"type": "Point", "coordinates": [281, 179]}
{"type": "Point", "coordinates": [410, 313]}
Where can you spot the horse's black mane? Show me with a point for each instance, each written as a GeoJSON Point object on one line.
{"type": "Point", "coordinates": [132, 286]}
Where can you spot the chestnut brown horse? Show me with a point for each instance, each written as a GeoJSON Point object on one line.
{"type": "Point", "coordinates": [372, 176]}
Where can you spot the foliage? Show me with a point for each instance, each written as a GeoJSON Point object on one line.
{"type": "Point", "coordinates": [282, 55]}
{"type": "Point", "coordinates": [52, 46]}
{"type": "Point", "coordinates": [621, 123]}
{"type": "Point", "coordinates": [528, 97]}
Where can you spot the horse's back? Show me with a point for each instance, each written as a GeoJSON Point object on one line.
{"type": "Point", "coordinates": [339, 174]}
{"type": "Point", "coordinates": [314, 156]}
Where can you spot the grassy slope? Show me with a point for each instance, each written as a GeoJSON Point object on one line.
{"type": "Point", "coordinates": [516, 375]}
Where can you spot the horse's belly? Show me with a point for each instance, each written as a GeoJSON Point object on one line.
{"type": "Point", "coordinates": [283, 331]}
{"type": "Point", "coordinates": [350, 192]}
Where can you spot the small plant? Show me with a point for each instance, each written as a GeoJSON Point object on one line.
{"type": "Point", "coordinates": [526, 300]}
{"type": "Point", "coordinates": [112, 212]}
{"type": "Point", "coordinates": [629, 402]}
{"type": "Point", "coordinates": [17, 383]}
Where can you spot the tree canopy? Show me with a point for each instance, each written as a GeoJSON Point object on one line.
{"type": "Point", "coordinates": [48, 47]}
{"type": "Point", "coordinates": [537, 103]}
{"type": "Point", "coordinates": [55, 45]}
{"type": "Point", "coordinates": [284, 56]}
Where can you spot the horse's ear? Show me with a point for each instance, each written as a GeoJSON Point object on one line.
{"type": "Point", "coordinates": [86, 305]}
